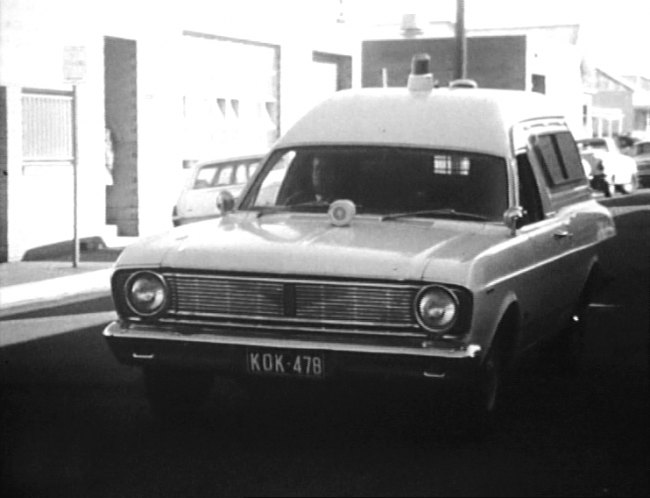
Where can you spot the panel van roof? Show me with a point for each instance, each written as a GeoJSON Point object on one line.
{"type": "Point", "coordinates": [464, 119]}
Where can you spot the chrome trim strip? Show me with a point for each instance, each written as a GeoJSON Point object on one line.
{"type": "Point", "coordinates": [433, 375]}
{"type": "Point", "coordinates": [137, 356]}
{"type": "Point", "coordinates": [115, 330]}
{"type": "Point", "coordinates": [294, 280]}
{"type": "Point", "coordinates": [289, 321]}
{"type": "Point", "coordinates": [296, 328]}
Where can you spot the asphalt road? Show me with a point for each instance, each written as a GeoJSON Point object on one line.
{"type": "Point", "coordinates": [74, 422]}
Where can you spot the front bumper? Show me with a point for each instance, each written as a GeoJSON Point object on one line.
{"type": "Point", "coordinates": [140, 344]}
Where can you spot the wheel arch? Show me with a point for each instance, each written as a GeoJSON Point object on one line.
{"type": "Point", "coordinates": [507, 329]}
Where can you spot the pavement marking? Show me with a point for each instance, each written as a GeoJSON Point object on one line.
{"type": "Point", "coordinates": [29, 329]}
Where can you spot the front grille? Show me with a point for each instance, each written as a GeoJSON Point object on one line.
{"type": "Point", "coordinates": [350, 304]}
{"type": "Point", "coordinates": [354, 303]}
{"type": "Point", "coordinates": [196, 294]}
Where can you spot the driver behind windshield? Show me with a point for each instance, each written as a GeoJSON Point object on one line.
{"type": "Point", "coordinates": [319, 185]}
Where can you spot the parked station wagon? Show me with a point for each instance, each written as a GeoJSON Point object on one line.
{"type": "Point", "coordinates": [422, 234]}
{"type": "Point", "coordinates": [197, 200]}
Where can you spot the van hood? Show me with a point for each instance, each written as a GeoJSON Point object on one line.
{"type": "Point", "coordinates": [308, 244]}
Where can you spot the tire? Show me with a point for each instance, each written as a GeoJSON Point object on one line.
{"type": "Point", "coordinates": [477, 411]}
{"type": "Point", "coordinates": [600, 184]}
{"type": "Point", "coordinates": [174, 394]}
{"type": "Point", "coordinates": [629, 188]}
{"type": "Point", "coordinates": [567, 349]}
{"type": "Point", "coordinates": [565, 352]}
{"type": "Point", "coordinates": [485, 394]}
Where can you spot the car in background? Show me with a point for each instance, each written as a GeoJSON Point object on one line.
{"type": "Point", "coordinates": [640, 152]}
{"type": "Point", "coordinates": [610, 168]}
{"type": "Point", "coordinates": [198, 199]}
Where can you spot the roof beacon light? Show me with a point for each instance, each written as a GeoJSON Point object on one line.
{"type": "Point", "coordinates": [421, 78]}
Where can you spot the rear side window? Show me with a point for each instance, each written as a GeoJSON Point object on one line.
{"type": "Point", "coordinates": [214, 176]}
{"type": "Point", "coordinates": [570, 156]}
{"type": "Point", "coordinates": [223, 176]}
{"type": "Point", "coordinates": [559, 159]}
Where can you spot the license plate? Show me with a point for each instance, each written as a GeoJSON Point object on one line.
{"type": "Point", "coordinates": [285, 363]}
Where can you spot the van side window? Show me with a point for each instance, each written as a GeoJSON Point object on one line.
{"type": "Point", "coordinates": [559, 159]}
{"type": "Point", "coordinates": [570, 156]}
{"type": "Point", "coordinates": [528, 191]}
{"type": "Point", "coordinates": [549, 159]}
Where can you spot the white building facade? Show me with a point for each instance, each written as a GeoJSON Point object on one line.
{"type": "Point", "coordinates": [163, 84]}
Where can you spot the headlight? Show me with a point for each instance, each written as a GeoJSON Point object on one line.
{"type": "Point", "coordinates": [146, 293]}
{"type": "Point", "coordinates": [436, 308]}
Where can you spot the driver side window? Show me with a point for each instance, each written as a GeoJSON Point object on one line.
{"type": "Point", "coordinates": [528, 192]}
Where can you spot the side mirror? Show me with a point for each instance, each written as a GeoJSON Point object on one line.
{"type": "Point", "coordinates": [511, 218]}
{"type": "Point", "coordinates": [225, 202]}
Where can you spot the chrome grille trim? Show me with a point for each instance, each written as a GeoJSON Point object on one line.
{"type": "Point", "coordinates": [200, 297]}
{"type": "Point", "coordinates": [233, 298]}
{"type": "Point", "coordinates": [392, 306]}
{"type": "Point", "coordinates": [293, 280]}
{"type": "Point", "coordinates": [293, 327]}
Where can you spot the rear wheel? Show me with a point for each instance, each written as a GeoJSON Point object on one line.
{"type": "Point", "coordinates": [174, 393]}
{"type": "Point", "coordinates": [628, 188]}
{"type": "Point", "coordinates": [600, 183]}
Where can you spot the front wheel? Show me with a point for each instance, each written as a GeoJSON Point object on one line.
{"type": "Point", "coordinates": [174, 393]}
{"type": "Point", "coordinates": [567, 349]}
{"type": "Point", "coordinates": [476, 410]}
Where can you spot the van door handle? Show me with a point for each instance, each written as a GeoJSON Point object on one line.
{"type": "Point", "coordinates": [562, 233]}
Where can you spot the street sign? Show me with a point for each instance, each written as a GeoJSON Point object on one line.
{"type": "Point", "coordinates": [74, 64]}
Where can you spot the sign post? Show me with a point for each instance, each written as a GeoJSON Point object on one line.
{"type": "Point", "coordinates": [74, 71]}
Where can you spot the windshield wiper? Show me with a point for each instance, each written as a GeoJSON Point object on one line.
{"type": "Point", "coordinates": [308, 204]}
{"type": "Point", "coordinates": [451, 213]}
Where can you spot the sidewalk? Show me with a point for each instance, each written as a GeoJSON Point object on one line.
{"type": "Point", "coordinates": [53, 280]}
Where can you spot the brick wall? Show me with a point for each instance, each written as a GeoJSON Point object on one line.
{"type": "Point", "coordinates": [494, 61]}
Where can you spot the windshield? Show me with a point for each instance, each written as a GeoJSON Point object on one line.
{"type": "Point", "coordinates": [382, 180]}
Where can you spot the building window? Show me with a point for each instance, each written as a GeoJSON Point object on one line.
{"type": "Point", "coordinates": [47, 127]}
{"type": "Point", "coordinates": [539, 83]}
{"type": "Point", "coordinates": [231, 96]}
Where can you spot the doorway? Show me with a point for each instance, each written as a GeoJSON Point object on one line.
{"type": "Point", "coordinates": [121, 121]}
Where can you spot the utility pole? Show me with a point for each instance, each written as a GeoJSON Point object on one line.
{"type": "Point", "coordinates": [460, 71]}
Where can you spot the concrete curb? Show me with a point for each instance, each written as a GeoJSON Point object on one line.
{"type": "Point", "coordinates": [45, 293]}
